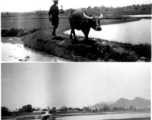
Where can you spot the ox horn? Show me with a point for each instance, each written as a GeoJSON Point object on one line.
{"type": "Point", "coordinates": [87, 16]}
{"type": "Point", "coordinates": [101, 16]}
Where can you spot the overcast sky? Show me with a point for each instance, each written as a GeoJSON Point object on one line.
{"type": "Point", "coordinates": [30, 5]}
{"type": "Point", "coordinates": [72, 85]}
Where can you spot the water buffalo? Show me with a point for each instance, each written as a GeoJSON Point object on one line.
{"type": "Point", "coordinates": [80, 21]}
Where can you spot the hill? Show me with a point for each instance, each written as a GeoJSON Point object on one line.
{"type": "Point", "coordinates": [136, 103]}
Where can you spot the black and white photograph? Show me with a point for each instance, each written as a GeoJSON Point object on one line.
{"type": "Point", "coordinates": [76, 91]}
{"type": "Point", "coordinates": [75, 59]}
{"type": "Point", "coordinates": [76, 31]}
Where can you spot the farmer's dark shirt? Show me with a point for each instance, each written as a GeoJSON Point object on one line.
{"type": "Point", "coordinates": [54, 11]}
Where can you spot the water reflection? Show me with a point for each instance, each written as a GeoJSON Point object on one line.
{"type": "Point", "coordinates": [131, 32]}
{"type": "Point", "coordinates": [146, 15]}
{"type": "Point", "coordinates": [13, 40]}
{"type": "Point", "coordinates": [107, 116]}
{"type": "Point", "coordinates": [14, 50]}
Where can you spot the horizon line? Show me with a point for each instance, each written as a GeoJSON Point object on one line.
{"type": "Point", "coordinates": [83, 106]}
{"type": "Point", "coordinates": [73, 8]}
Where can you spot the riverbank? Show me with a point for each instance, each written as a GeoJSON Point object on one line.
{"type": "Point", "coordinates": [133, 119]}
{"type": "Point", "coordinates": [37, 116]}
{"type": "Point", "coordinates": [86, 51]}
{"type": "Point", "coordinates": [99, 113]}
{"type": "Point", "coordinates": [15, 32]}
{"type": "Point", "coordinates": [108, 116]}
{"type": "Point", "coordinates": [29, 118]}
{"type": "Point", "coordinates": [92, 50]}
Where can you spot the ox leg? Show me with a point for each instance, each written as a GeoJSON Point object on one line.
{"type": "Point", "coordinates": [74, 34]}
{"type": "Point", "coordinates": [86, 33]}
{"type": "Point", "coordinates": [71, 34]}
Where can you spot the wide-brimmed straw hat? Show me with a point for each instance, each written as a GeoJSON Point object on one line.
{"type": "Point", "coordinates": [47, 114]}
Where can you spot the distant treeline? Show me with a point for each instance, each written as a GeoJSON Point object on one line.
{"type": "Point", "coordinates": [132, 9]}
{"type": "Point", "coordinates": [29, 109]}
{"type": "Point", "coordinates": [24, 109]}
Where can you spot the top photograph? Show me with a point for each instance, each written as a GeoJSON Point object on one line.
{"type": "Point", "coordinates": [60, 31]}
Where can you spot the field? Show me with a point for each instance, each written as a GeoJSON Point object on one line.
{"type": "Point", "coordinates": [32, 116]}
{"type": "Point", "coordinates": [80, 51]}
{"type": "Point", "coordinates": [132, 119]}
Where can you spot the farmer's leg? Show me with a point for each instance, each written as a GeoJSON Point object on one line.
{"type": "Point", "coordinates": [55, 23]}
{"type": "Point", "coordinates": [54, 30]}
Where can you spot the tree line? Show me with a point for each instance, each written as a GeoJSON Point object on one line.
{"type": "Point", "coordinates": [28, 109]}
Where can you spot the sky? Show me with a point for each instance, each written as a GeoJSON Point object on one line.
{"type": "Point", "coordinates": [30, 5]}
{"type": "Point", "coordinates": [72, 85]}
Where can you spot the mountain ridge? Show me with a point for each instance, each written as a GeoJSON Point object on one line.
{"type": "Point", "coordinates": [137, 103]}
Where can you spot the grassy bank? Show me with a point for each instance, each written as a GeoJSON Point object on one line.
{"type": "Point", "coordinates": [14, 32]}
{"type": "Point", "coordinates": [91, 50]}
{"type": "Point", "coordinates": [82, 51]}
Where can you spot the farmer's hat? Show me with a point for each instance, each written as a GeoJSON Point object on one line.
{"type": "Point", "coordinates": [55, 0]}
{"type": "Point", "coordinates": [47, 114]}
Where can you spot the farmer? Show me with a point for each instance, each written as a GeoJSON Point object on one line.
{"type": "Point", "coordinates": [54, 16]}
{"type": "Point", "coordinates": [47, 116]}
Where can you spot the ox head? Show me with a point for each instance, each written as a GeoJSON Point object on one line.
{"type": "Point", "coordinates": [94, 21]}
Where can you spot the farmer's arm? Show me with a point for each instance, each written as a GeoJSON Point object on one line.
{"type": "Point", "coordinates": [57, 10]}
{"type": "Point", "coordinates": [50, 13]}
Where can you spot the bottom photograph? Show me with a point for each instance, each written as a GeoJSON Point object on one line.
{"type": "Point", "coordinates": [79, 91]}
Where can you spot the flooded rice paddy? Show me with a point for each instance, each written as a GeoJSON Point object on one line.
{"type": "Point", "coordinates": [14, 50]}
{"type": "Point", "coordinates": [131, 32]}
